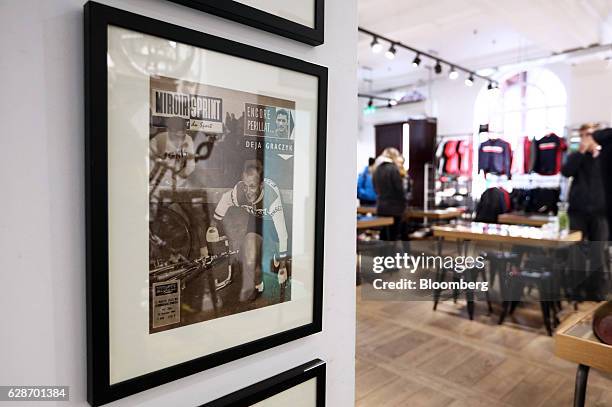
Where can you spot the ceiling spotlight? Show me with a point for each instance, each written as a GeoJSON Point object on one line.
{"type": "Point", "coordinates": [370, 102]}
{"type": "Point", "coordinates": [490, 86]}
{"type": "Point", "coordinates": [453, 74]}
{"type": "Point", "coordinates": [438, 68]}
{"type": "Point", "coordinates": [495, 92]}
{"type": "Point", "coordinates": [469, 81]}
{"type": "Point", "coordinates": [390, 54]}
{"type": "Point", "coordinates": [376, 46]}
{"type": "Point", "coordinates": [392, 102]}
{"type": "Point", "coordinates": [416, 61]}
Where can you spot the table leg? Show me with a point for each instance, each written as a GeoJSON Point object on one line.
{"type": "Point", "coordinates": [582, 375]}
{"type": "Point", "coordinates": [439, 276]}
{"type": "Point", "coordinates": [469, 294]}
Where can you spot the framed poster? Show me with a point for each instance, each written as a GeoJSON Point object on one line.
{"type": "Point", "coordinates": [205, 165]}
{"type": "Point", "coordinates": [300, 20]}
{"type": "Point", "coordinates": [302, 386]}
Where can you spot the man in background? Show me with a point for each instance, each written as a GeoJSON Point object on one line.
{"type": "Point", "coordinates": [603, 137]}
{"type": "Point", "coordinates": [588, 207]}
{"type": "Point", "coordinates": [587, 200]}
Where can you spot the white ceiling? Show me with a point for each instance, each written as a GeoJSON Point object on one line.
{"type": "Point", "coordinates": [477, 33]}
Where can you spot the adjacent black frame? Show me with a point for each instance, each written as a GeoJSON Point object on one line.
{"type": "Point", "coordinates": [97, 18]}
{"type": "Point", "coordinates": [241, 13]}
{"type": "Point", "coordinates": [276, 384]}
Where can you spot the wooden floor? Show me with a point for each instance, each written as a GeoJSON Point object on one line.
{"type": "Point", "coordinates": [409, 355]}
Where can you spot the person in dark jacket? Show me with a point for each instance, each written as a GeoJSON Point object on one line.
{"type": "Point", "coordinates": [587, 205]}
{"type": "Point", "coordinates": [587, 200]}
{"type": "Point", "coordinates": [603, 137]}
{"type": "Point", "coordinates": [365, 187]}
{"type": "Point", "coordinates": [390, 191]}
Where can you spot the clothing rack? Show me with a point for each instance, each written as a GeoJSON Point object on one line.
{"type": "Point", "coordinates": [455, 190]}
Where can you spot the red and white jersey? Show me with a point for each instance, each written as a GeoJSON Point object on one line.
{"type": "Point", "coordinates": [268, 206]}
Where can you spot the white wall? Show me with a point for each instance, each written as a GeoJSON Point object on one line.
{"type": "Point", "coordinates": [451, 102]}
{"type": "Point", "coordinates": [42, 239]}
{"type": "Point", "coordinates": [590, 93]}
{"type": "Point", "coordinates": [588, 87]}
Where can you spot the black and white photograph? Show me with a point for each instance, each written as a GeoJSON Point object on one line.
{"type": "Point", "coordinates": [220, 191]}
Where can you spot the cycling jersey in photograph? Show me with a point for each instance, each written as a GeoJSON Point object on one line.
{"type": "Point", "coordinates": [267, 207]}
{"type": "Point", "coordinates": [171, 162]}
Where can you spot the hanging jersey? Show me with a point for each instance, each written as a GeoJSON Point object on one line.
{"type": "Point", "coordinates": [495, 156]}
{"type": "Point", "coordinates": [267, 207]}
{"type": "Point", "coordinates": [465, 157]}
{"type": "Point", "coordinates": [507, 202]}
{"type": "Point", "coordinates": [528, 156]}
{"type": "Point", "coordinates": [452, 157]}
{"type": "Point", "coordinates": [549, 154]}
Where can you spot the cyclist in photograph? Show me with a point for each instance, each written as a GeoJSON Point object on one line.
{"type": "Point", "coordinates": [172, 151]}
{"type": "Point", "coordinates": [259, 197]}
{"type": "Point", "coordinates": [172, 162]}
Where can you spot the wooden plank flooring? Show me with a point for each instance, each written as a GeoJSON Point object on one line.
{"type": "Point", "coordinates": [409, 355]}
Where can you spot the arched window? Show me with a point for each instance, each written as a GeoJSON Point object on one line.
{"type": "Point", "coordinates": [529, 104]}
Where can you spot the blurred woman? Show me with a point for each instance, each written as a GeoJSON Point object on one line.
{"type": "Point", "coordinates": [390, 192]}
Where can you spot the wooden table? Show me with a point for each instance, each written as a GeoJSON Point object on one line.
{"type": "Point", "coordinates": [364, 210]}
{"type": "Point", "coordinates": [367, 222]}
{"type": "Point", "coordinates": [576, 342]}
{"type": "Point", "coordinates": [520, 218]}
{"type": "Point", "coordinates": [513, 234]}
{"type": "Point", "coordinates": [433, 214]}
{"type": "Point", "coordinates": [416, 213]}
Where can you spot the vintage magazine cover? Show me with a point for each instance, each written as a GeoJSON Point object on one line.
{"type": "Point", "coordinates": [220, 199]}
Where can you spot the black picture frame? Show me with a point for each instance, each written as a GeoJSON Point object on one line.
{"type": "Point", "coordinates": [277, 384]}
{"type": "Point", "coordinates": [97, 18]}
{"type": "Point", "coordinates": [241, 13]}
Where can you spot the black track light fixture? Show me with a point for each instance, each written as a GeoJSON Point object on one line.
{"type": "Point", "coordinates": [438, 68]}
{"type": "Point", "coordinates": [419, 56]}
{"type": "Point", "coordinates": [376, 46]}
{"type": "Point", "coordinates": [390, 54]}
{"type": "Point", "coordinates": [469, 81]}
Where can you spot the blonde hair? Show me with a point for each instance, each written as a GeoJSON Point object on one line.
{"type": "Point", "coordinates": [391, 152]}
{"type": "Point", "coordinates": [588, 126]}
